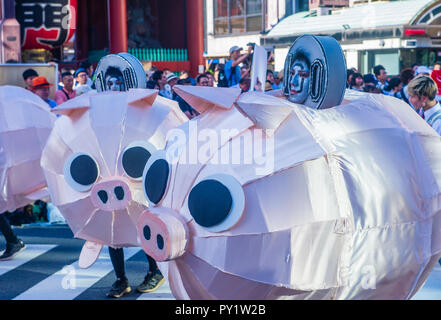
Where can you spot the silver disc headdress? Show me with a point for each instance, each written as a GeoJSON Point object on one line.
{"type": "Point", "coordinates": [315, 72]}
{"type": "Point", "coordinates": [119, 72]}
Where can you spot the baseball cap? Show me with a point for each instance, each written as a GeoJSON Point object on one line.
{"type": "Point", "coordinates": [423, 69]}
{"type": "Point", "coordinates": [235, 48]}
{"type": "Point", "coordinates": [79, 70]}
{"type": "Point", "coordinates": [171, 76]}
{"type": "Point", "coordinates": [40, 82]}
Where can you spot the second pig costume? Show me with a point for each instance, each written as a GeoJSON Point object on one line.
{"type": "Point", "coordinates": [94, 161]}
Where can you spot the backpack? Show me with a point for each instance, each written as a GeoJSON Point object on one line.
{"type": "Point", "coordinates": [222, 81]}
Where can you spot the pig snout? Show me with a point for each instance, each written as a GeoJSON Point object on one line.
{"type": "Point", "coordinates": [111, 194]}
{"type": "Point", "coordinates": [163, 237]}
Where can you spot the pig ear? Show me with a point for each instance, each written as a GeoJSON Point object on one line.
{"type": "Point", "coordinates": [266, 111]}
{"type": "Point", "coordinates": [73, 107]}
{"type": "Point", "coordinates": [141, 97]}
{"type": "Point", "coordinates": [205, 98]}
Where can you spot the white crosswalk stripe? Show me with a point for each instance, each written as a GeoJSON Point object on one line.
{"type": "Point", "coordinates": [71, 281]}
{"type": "Point", "coordinates": [32, 251]}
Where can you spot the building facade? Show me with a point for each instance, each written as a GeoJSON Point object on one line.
{"type": "Point", "coordinates": [395, 34]}
{"type": "Point", "coordinates": [189, 34]}
{"type": "Point", "coordinates": [159, 27]}
{"type": "Point", "coordinates": [239, 22]}
{"type": "Point", "coordinates": [71, 31]}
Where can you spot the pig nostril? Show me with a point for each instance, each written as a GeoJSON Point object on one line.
{"type": "Point", "coordinates": [160, 242]}
{"type": "Point", "coordinates": [119, 193]}
{"type": "Point", "coordinates": [103, 196]}
{"type": "Point", "coordinates": [147, 233]}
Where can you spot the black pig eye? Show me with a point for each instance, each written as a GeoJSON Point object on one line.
{"type": "Point", "coordinates": [217, 203]}
{"type": "Point", "coordinates": [134, 158]}
{"type": "Point", "coordinates": [155, 180]}
{"type": "Point", "coordinates": [210, 203]}
{"type": "Point", "coordinates": [81, 171]}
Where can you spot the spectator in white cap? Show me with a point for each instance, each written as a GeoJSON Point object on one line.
{"type": "Point", "coordinates": [232, 69]}
{"type": "Point", "coordinates": [423, 70]}
{"type": "Point", "coordinates": [167, 92]}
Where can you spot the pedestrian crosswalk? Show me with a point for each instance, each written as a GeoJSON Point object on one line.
{"type": "Point", "coordinates": [69, 281]}
{"type": "Point", "coordinates": [66, 281]}
{"type": "Point", "coordinates": [31, 252]}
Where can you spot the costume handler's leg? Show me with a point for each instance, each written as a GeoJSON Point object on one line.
{"type": "Point", "coordinates": [153, 280]}
{"type": "Point", "coordinates": [13, 244]}
{"type": "Point", "coordinates": [121, 285]}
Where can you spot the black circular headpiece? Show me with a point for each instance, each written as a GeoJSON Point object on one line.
{"type": "Point", "coordinates": [327, 70]}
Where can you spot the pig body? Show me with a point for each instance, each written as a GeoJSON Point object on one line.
{"type": "Point", "coordinates": [94, 160]}
{"type": "Point", "coordinates": [348, 207]}
{"type": "Point", "coordinates": [25, 124]}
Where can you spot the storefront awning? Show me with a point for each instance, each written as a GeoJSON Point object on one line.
{"type": "Point", "coordinates": [366, 16]}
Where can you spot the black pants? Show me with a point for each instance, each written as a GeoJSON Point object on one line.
{"type": "Point", "coordinates": [117, 258]}
{"type": "Point", "coordinates": [6, 229]}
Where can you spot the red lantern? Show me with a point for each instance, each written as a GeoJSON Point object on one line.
{"type": "Point", "coordinates": [46, 24]}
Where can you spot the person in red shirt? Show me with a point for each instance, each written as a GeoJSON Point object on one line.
{"type": "Point", "coordinates": [67, 92]}
{"type": "Point", "coordinates": [436, 76]}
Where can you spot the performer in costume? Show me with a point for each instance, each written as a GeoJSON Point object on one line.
{"type": "Point", "coordinates": [94, 161]}
{"type": "Point", "coordinates": [330, 203]}
{"type": "Point", "coordinates": [25, 124]}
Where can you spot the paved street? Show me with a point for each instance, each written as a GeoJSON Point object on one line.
{"type": "Point", "coordinates": [48, 270]}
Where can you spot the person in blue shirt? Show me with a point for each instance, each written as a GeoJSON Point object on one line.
{"type": "Point", "coordinates": [381, 77]}
{"type": "Point", "coordinates": [40, 86]}
{"type": "Point", "coordinates": [232, 69]}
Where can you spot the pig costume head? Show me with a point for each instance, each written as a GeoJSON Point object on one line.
{"type": "Point", "coordinates": [340, 203]}
{"type": "Point", "coordinates": [94, 161]}
{"type": "Point", "coordinates": [25, 124]}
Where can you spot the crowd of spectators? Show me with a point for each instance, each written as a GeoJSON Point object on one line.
{"type": "Point", "coordinates": [70, 84]}
{"type": "Point", "coordinates": [396, 86]}
{"type": "Point", "coordinates": [235, 73]}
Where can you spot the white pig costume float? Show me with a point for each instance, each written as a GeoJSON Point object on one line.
{"type": "Point", "coordinates": [25, 125]}
{"type": "Point", "coordinates": [95, 157]}
{"type": "Point", "coordinates": [321, 202]}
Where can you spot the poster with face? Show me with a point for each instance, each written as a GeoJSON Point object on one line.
{"type": "Point", "coordinates": [114, 80]}
{"type": "Point", "coordinates": [119, 72]}
{"type": "Point", "coordinates": [299, 77]}
{"type": "Point", "coordinates": [315, 72]}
